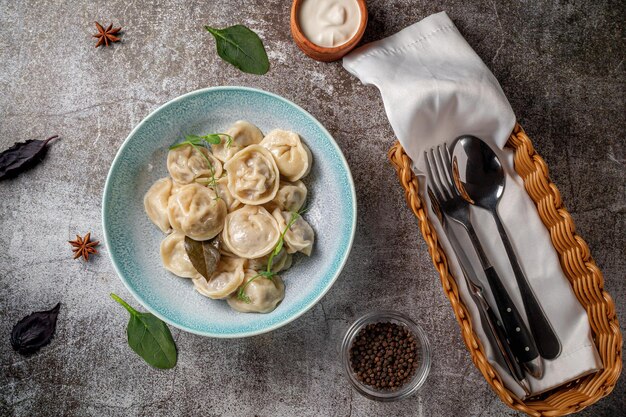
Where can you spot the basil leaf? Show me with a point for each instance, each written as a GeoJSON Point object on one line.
{"type": "Point", "coordinates": [241, 47]}
{"type": "Point", "coordinates": [34, 331]}
{"type": "Point", "coordinates": [204, 256]}
{"type": "Point", "coordinates": [150, 337]}
{"type": "Point", "coordinates": [22, 156]}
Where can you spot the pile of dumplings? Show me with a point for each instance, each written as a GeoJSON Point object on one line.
{"type": "Point", "coordinates": [243, 202]}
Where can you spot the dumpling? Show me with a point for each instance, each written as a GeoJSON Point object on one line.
{"type": "Point", "coordinates": [187, 164]}
{"type": "Point", "coordinates": [288, 262]}
{"type": "Point", "coordinates": [243, 134]}
{"type": "Point", "coordinates": [291, 196]}
{"type": "Point", "coordinates": [250, 232]}
{"type": "Point", "coordinates": [175, 258]}
{"type": "Point", "coordinates": [176, 187]}
{"type": "Point", "coordinates": [280, 262]}
{"type": "Point", "coordinates": [224, 251]}
{"type": "Point", "coordinates": [224, 193]}
{"type": "Point", "coordinates": [299, 237]}
{"type": "Point", "coordinates": [196, 212]}
{"type": "Point", "coordinates": [155, 203]}
{"type": "Point", "coordinates": [292, 156]}
{"type": "Point", "coordinates": [253, 177]}
{"type": "Point", "coordinates": [264, 294]}
{"type": "Point", "coordinates": [226, 279]}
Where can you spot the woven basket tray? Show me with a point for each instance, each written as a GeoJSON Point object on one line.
{"type": "Point", "coordinates": [578, 265]}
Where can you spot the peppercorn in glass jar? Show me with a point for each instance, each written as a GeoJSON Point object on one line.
{"type": "Point", "coordinates": [386, 356]}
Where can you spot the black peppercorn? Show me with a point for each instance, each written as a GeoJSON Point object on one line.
{"type": "Point", "coordinates": [384, 355]}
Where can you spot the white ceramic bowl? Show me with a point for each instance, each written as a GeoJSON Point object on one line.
{"type": "Point", "coordinates": [133, 241]}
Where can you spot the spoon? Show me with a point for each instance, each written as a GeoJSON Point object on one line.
{"type": "Point", "coordinates": [480, 178]}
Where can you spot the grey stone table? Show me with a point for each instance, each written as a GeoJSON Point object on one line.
{"type": "Point", "coordinates": [560, 63]}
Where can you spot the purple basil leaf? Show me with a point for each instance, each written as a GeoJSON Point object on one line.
{"type": "Point", "coordinates": [34, 331]}
{"type": "Point", "coordinates": [22, 156]}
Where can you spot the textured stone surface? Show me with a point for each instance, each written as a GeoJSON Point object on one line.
{"type": "Point", "coordinates": [560, 63]}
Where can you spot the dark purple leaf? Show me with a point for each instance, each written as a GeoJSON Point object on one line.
{"type": "Point", "coordinates": [34, 331]}
{"type": "Point", "coordinates": [22, 156]}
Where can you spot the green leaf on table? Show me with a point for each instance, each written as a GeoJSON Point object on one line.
{"type": "Point", "coordinates": [150, 337]}
{"type": "Point", "coordinates": [241, 47]}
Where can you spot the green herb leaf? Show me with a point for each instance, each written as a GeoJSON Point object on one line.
{"type": "Point", "coordinates": [211, 139]}
{"type": "Point", "coordinates": [197, 142]}
{"type": "Point", "coordinates": [150, 337]}
{"type": "Point", "coordinates": [190, 140]}
{"type": "Point", "coordinates": [178, 145]}
{"type": "Point", "coordinates": [241, 295]}
{"type": "Point", "coordinates": [242, 48]}
{"type": "Point", "coordinates": [241, 292]}
{"type": "Point", "coordinates": [204, 256]}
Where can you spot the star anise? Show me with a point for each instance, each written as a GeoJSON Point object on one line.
{"type": "Point", "coordinates": [106, 36]}
{"type": "Point", "coordinates": [83, 246]}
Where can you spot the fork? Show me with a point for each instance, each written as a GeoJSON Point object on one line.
{"type": "Point", "coordinates": [487, 316]}
{"type": "Point", "coordinates": [454, 207]}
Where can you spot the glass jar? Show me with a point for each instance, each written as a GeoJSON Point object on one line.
{"type": "Point", "coordinates": [423, 356]}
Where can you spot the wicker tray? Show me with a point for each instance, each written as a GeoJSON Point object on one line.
{"type": "Point", "coordinates": [578, 266]}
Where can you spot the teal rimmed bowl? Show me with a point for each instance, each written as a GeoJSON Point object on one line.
{"type": "Point", "coordinates": [133, 241]}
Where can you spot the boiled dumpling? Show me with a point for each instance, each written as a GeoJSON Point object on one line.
{"type": "Point", "coordinates": [224, 193]}
{"type": "Point", "coordinates": [280, 262]}
{"type": "Point", "coordinates": [292, 156]}
{"type": "Point", "coordinates": [299, 237]}
{"type": "Point", "coordinates": [226, 279]}
{"type": "Point", "coordinates": [243, 134]}
{"type": "Point", "coordinates": [175, 258]}
{"type": "Point", "coordinates": [155, 203]}
{"type": "Point", "coordinates": [196, 211]}
{"type": "Point", "coordinates": [264, 294]}
{"type": "Point", "coordinates": [288, 262]}
{"type": "Point", "coordinates": [223, 249]}
{"type": "Point", "coordinates": [250, 232]}
{"type": "Point", "coordinates": [176, 187]}
{"type": "Point", "coordinates": [253, 177]}
{"type": "Point", "coordinates": [291, 196]}
{"type": "Point", "coordinates": [187, 163]}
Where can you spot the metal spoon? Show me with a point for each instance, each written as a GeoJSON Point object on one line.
{"type": "Point", "coordinates": [480, 178]}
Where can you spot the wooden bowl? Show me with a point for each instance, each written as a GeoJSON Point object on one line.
{"type": "Point", "coordinates": [321, 53]}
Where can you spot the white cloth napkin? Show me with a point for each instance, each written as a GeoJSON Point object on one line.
{"type": "Point", "coordinates": [435, 88]}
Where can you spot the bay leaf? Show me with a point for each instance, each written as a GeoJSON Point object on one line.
{"type": "Point", "coordinates": [204, 255]}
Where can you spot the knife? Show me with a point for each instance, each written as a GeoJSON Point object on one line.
{"type": "Point", "coordinates": [487, 316]}
{"type": "Point", "coordinates": [492, 323]}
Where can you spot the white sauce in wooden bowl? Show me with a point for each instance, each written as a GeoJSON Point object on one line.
{"type": "Point", "coordinates": [329, 23]}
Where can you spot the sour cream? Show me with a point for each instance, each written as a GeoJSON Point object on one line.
{"type": "Point", "coordinates": [329, 23]}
